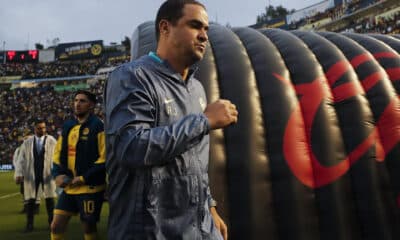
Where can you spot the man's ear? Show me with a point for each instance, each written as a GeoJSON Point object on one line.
{"type": "Point", "coordinates": [164, 26]}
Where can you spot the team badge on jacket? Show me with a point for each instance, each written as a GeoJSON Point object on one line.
{"type": "Point", "coordinates": [85, 131]}
{"type": "Point", "coordinates": [169, 107]}
{"type": "Point", "coordinates": [202, 103]}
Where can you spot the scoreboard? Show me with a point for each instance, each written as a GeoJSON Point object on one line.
{"type": "Point", "coordinates": [26, 56]}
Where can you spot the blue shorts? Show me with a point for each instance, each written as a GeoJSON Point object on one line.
{"type": "Point", "coordinates": [87, 205]}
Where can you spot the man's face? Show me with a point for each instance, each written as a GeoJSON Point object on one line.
{"type": "Point", "coordinates": [189, 36]}
{"type": "Point", "coordinates": [82, 105]}
{"type": "Point", "coordinates": [40, 129]}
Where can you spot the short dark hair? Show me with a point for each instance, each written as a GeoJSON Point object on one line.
{"type": "Point", "coordinates": [172, 11]}
{"type": "Point", "coordinates": [36, 121]}
{"type": "Point", "coordinates": [89, 95]}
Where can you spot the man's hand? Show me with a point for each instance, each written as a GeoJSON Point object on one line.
{"type": "Point", "coordinates": [19, 179]}
{"type": "Point", "coordinates": [219, 223]}
{"type": "Point", "coordinates": [221, 113]}
{"type": "Point", "coordinates": [77, 181]}
{"type": "Point", "coordinates": [62, 181]}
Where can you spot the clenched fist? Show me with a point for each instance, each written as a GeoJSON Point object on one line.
{"type": "Point", "coordinates": [221, 113]}
{"type": "Point", "coordinates": [19, 179]}
{"type": "Point", "coordinates": [62, 181]}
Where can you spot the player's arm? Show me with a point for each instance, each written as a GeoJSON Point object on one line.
{"type": "Point", "coordinates": [60, 176]}
{"type": "Point", "coordinates": [97, 173]}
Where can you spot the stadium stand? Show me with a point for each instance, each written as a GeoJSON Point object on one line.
{"type": "Point", "coordinates": [48, 98]}
{"type": "Point", "coordinates": [50, 70]}
{"type": "Point", "coordinates": [338, 16]}
{"type": "Point", "coordinates": [382, 24]}
{"type": "Point", "coordinates": [26, 104]}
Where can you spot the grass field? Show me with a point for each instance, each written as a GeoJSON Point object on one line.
{"type": "Point", "coordinates": [12, 222]}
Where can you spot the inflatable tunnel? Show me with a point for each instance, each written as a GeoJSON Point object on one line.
{"type": "Point", "coordinates": [315, 153]}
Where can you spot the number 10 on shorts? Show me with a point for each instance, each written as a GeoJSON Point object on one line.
{"type": "Point", "coordinates": [88, 206]}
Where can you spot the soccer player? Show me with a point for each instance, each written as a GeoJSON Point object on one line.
{"type": "Point", "coordinates": [79, 169]}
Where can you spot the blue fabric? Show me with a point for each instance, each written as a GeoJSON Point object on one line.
{"type": "Point", "coordinates": [157, 146]}
{"type": "Point", "coordinates": [155, 57]}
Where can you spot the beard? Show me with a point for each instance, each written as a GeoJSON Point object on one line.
{"type": "Point", "coordinates": [195, 56]}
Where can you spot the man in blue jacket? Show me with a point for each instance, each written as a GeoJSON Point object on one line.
{"type": "Point", "coordinates": [157, 142]}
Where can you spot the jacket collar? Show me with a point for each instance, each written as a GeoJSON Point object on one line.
{"type": "Point", "coordinates": [89, 119]}
{"type": "Point", "coordinates": [164, 65]}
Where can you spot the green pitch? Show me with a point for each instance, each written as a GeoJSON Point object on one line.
{"type": "Point", "coordinates": [12, 223]}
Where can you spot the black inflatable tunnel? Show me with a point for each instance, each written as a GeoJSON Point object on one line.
{"type": "Point", "coordinates": [315, 153]}
{"type": "Point", "coordinates": [389, 40]}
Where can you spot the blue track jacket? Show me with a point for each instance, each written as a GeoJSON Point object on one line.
{"type": "Point", "coordinates": [157, 146]}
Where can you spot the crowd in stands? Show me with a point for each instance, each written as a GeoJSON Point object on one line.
{"type": "Point", "coordinates": [50, 70]}
{"type": "Point", "coordinates": [388, 25]}
{"type": "Point", "coordinates": [21, 106]}
{"type": "Point", "coordinates": [355, 5]}
{"type": "Point", "coordinates": [335, 12]}
{"type": "Point", "coordinates": [59, 68]}
{"type": "Point", "coordinates": [115, 61]}
{"type": "Point", "coordinates": [24, 105]}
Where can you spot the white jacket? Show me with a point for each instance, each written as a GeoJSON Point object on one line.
{"type": "Point", "coordinates": [15, 157]}
{"type": "Point", "coordinates": [24, 166]}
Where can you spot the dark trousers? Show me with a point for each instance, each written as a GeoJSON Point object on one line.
{"type": "Point", "coordinates": [30, 211]}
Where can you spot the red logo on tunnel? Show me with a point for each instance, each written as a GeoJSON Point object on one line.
{"type": "Point", "coordinates": [297, 145]}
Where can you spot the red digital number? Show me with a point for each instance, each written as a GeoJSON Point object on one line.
{"type": "Point", "coordinates": [10, 55]}
{"type": "Point", "coordinates": [33, 54]}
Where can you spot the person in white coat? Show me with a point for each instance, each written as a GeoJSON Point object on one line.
{"type": "Point", "coordinates": [21, 183]}
{"type": "Point", "coordinates": [33, 168]}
